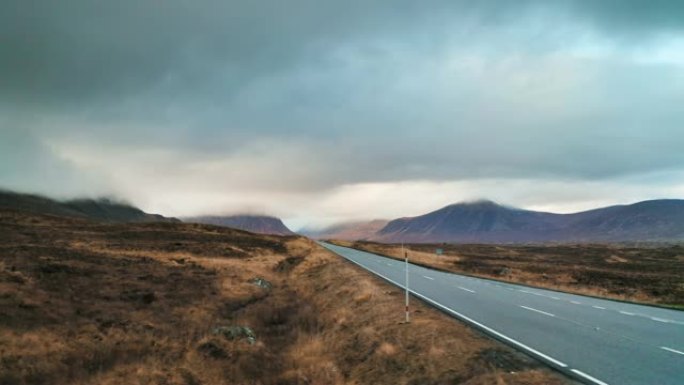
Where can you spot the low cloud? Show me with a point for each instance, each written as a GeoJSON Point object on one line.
{"type": "Point", "coordinates": [318, 111]}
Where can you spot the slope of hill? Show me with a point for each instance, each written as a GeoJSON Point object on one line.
{"type": "Point", "coordinates": [92, 302]}
{"type": "Point", "coordinates": [488, 222]}
{"type": "Point", "coordinates": [655, 220]}
{"type": "Point", "coordinates": [97, 209]}
{"type": "Point", "coordinates": [350, 231]}
{"type": "Point", "coordinates": [259, 224]}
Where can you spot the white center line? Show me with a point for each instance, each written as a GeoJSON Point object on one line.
{"type": "Point", "coordinates": [576, 303]}
{"type": "Point", "coordinates": [430, 278]}
{"type": "Point", "coordinates": [463, 288]}
{"type": "Point", "coordinates": [667, 321]}
{"type": "Point", "coordinates": [588, 377]}
{"type": "Point", "coordinates": [556, 298]}
{"type": "Point", "coordinates": [626, 313]}
{"type": "Point", "coordinates": [538, 311]}
{"type": "Point", "coordinates": [599, 307]}
{"type": "Point", "coordinates": [671, 350]}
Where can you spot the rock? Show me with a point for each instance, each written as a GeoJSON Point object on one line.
{"type": "Point", "coordinates": [236, 332]}
{"type": "Point", "coordinates": [262, 283]}
{"type": "Point", "coordinates": [505, 271]}
{"type": "Point", "coordinates": [212, 349]}
{"type": "Point", "coordinates": [143, 296]}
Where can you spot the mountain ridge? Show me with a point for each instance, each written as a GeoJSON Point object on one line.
{"type": "Point", "coordinates": [260, 224]}
{"type": "Point", "coordinates": [489, 222]}
{"type": "Point", "coordinates": [102, 209]}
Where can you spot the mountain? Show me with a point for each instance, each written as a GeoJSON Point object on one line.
{"type": "Point", "coordinates": [488, 222]}
{"type": "Point", "coordinates": [350, 231]}
{"type": "Point", "coordinates": [655, 220]}
{"type": "Point", "coordinates": [105, 210]}
{"type": "Point", "coordinates": [260, 224]}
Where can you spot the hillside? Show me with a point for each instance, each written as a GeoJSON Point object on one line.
{"type": "Point", "coordinates": [488, 222]}
{"type": "Point", "coordinates": [260, 224]}
{"type": "Point", "coordinates": [91, 302]}
{"type": "Point", "coordinates": [105, 210]}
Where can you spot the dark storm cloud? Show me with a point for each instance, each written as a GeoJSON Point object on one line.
{"type": "Point", "coordinates": [62, 51]}
{"type": "Point", "coordinates": [632, 16]}
{"type": "Point", "coordinates": [351, 91]}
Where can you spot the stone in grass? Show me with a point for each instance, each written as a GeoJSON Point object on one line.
{"type": "Point", "coordinates": [212, 349]}
{"type": "Point", "coordinates": [261, 283]}
{"type": "Point", "coordinates": [236, 332]}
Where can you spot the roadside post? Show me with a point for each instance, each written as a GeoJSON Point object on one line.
{"type": "Point", "coordinates": [407, 281]}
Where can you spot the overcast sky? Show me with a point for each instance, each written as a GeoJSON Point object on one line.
{"type": "Point", "coordinates": [320, 111]}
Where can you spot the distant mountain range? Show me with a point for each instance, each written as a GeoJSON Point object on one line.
{"type": "Point", "coordinates": [105, 210]}
{"type": "Point", "coordinates": [260, 224]}
{"type": "Point", "coordinates": [349, 231]}
{"type": "Point", "coordinates": [475, 222]}
{"type": "Point", "coordinates": [489, 222]}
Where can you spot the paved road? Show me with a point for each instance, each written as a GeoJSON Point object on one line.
{"type": "Point", "coordinates": [595, 340]}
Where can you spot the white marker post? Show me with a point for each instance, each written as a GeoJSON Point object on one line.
{"type": "Point", "coordinates": [407, 282]}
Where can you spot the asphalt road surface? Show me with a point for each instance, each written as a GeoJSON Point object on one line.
{"type": "Point", "coordinates": [594, 340]}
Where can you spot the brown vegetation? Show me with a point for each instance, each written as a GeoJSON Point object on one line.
{"type": "Point", "coordinates": [653, 275]}
{"type": "Point", "coordinates": [167, 303]}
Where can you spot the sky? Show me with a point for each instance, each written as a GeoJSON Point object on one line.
{"type": "Point", "coordinates": [325, 111]}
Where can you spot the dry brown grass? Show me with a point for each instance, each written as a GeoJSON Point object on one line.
{"type": "Point", "coordinates": [651, 275]}
{"type": "Point", "coordinates": [88, 303]}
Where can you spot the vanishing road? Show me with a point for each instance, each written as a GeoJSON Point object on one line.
{"type": "Point", "coordinates": [597, 341]}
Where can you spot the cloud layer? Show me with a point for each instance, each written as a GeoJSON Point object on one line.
{"type": "Point", "coordinates": [305, 108]}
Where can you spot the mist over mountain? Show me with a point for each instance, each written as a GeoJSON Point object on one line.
{"type": "Point", "coordinates": [260, 224]}
{"type": "Point", "coordinates": [349, 231]}
{"type": "Point", "coordinates": [489, 222]}
{"type": "Point", "coordinates": [103, 209]}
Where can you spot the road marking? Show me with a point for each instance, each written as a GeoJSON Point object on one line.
{"type": "Point", "coordinates": [576, 303]}
{"type": "Point", "coordinates": [463, 288]}
{"type": "Point", "coordinates": [389, 264]}
{"type": "Point", "coordinates": [467, 319]}
{"type": "Point", "coordinates": [599, 307]}
{"type": "Point", "coordinates": [667, 321]}
{"type": "Point", "coordinates": [626, 313]}
{"type": "Point", "coordinates": [556, 298]}
{"type": "Point", "coordinates": [430, 278]}
{"type": "Point", "coordinates": [671, 350]}
{"type": "Point", "coordinates": [588, 377]}
{"type": "Point", "coordinates": [538, 311]}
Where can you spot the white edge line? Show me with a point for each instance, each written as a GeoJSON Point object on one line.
{"type": "Point", "coordinates": [463, 288]}
{"type": "Point", "coordinates": [671, 350]}
{"type": "Point", "coordinates": [588, 377]}
{"type": "Point", "coordinates": [470, 320]}
{"type": "Point", "coordinates": [538, 311]}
